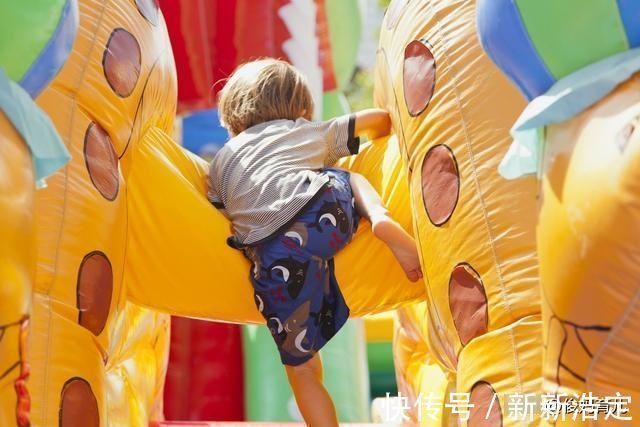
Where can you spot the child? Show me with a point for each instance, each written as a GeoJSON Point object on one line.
{"type": "Point", "coordinates": [291, 213]}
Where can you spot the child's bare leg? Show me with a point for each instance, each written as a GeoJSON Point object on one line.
{"type": "Point", "coordinates": [312, 398]}
{"type": "Point", "coordinates": [370, 205]}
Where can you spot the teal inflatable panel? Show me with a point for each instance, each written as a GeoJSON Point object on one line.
{"type": "Point", "coordinates": [383, 383]}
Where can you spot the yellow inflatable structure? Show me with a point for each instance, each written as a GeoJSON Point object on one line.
{"type": "Point", "coordinates": [16, 272]}
{"type": "Point", "coordinates": [30, 150]}
{"type": "Point", "coordinates": [589, 253]}
{"type": "Point", "coordinates": [126, 230]}
{"type": "Point", "coordinates": [452, 109]}
{"type": "Point", "coordinates": [419, 376]}
{"type": "Point", "coordinates": [135, 375]}
{"type": "Point", "coordinates": [581, 76]}
{"type": "Point", "coordinates": [125, 235]}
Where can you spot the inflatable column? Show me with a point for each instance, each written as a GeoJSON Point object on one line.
{"type": "Point", "coordinates": [451, 110]}
{"type": "Point", "coordinates": [88, 346]}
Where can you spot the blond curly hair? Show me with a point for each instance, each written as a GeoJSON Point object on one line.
{"type": "Point", "coordinates": [261, 91]}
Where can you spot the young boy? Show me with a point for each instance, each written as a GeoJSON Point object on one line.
{"type": "Point", "coordinates": [291, 213]}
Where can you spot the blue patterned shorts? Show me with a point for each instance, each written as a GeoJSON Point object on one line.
{"type": "Point", "coordinates": [293, 273]}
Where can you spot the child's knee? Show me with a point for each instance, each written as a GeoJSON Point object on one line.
{"type": "Point", "coordinates": [310, 368]}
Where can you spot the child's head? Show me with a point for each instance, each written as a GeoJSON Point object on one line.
{"type": "Point", "coordinates": [264, 90]}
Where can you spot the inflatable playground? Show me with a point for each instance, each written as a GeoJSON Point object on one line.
{"type": "Point", "coordinates": [514, 160]}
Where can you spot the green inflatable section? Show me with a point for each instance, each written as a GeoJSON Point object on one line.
{"type": "Point", "coordinates": [41, 21]}
{"type": "Point", "coordinates": [268, 396]}
{"type": "Point", "coordinates": [596, 34]}
{"type": "Point", "coordinates": [345, 25]}
{"type": "Point", "coordinates": [382, 375]}
{"type": "Point", "coordinates": [380, 356]}
{"type": "Point", "coordinates": [383, 383]}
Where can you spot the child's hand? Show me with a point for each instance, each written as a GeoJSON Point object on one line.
{"type": "Point", "coordinates": [373, 123]}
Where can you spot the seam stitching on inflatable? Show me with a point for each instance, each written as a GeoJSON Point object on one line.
{"type": "Point", "coordinates": [435, 313]}
{"type": "Point", "coordinates": [121, 293]}
{"type": "Point", "coordinates": [454, 77]}
{"type": "Point", "coordinates": [62, 224]}
{"type": "Point", "coordinates": [516, 362]}
{"type": "Point", "coordinates": [397, 108]}
{"type": "Point", "coordinates": [140, 106]}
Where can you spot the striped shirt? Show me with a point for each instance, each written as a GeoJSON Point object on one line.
{"type": "Point", "coordinates": [264, 176]}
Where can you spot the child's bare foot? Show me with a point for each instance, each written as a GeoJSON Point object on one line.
{"type": "Point", "coordinates": [401, 244]}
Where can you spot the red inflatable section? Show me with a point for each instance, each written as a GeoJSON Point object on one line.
{"type": "Point", "coordinates": [200, 32]}
{"type": "Point", "coordinates": [259, 30]}
{"type": "Point", "coordinates": [329, 82]}
{"type": "Point", "coordinates": [209, 38]}
{"type": "Point", "coordinates": [205, 374]}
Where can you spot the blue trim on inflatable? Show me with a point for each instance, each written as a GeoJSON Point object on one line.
{"type": "Point", "coordinates": [506, 41]}
{"type": "Point", "coordinates": [566, 99]}
{"type": "Point", "coordinates": [630, 15]}
{"type": "Point", "coordinates": [202, 133]}
{"type": "Point", "coordinates": [38, 132]}
{"type": "Point", "coordinates": [55, 53]}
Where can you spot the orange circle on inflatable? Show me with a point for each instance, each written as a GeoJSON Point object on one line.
{"type": "Point", "coordinates": [485, 410]}
{"type": "Point", "coordinates": [121, 62]}
{"type": "Point", "coordinates": [418, 76]}
{"type": "Point", "coordinates": [468, 303]}
{"type": "Point", "coordinates": [101, 161]}
{"type": "Point", "coordinates": [78, 405]}
{"type": "Point", "coordinates": [440, 184]}
{"type": "Point", "coordinates": [94, 291]}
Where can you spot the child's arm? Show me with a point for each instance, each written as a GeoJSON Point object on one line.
{"type": "Point", "coordinates": [372, 122]}
{"type": "Point", "coordinates": [342, 134]}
